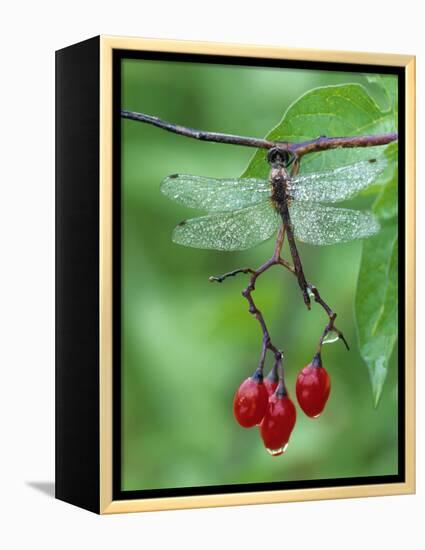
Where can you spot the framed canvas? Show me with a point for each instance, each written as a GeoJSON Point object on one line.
{"type": "Point", "coordinates": [234, 274]}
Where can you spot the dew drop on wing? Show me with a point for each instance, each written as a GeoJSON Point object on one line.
{"type": "Point", "coordinates": [324, 225]}
{"type": "Point", "coordinates": [214, 194]}
{"type": "Point", "coordinates": [338, 184]}
{"type": "Point", "coordinates": [235, 230]}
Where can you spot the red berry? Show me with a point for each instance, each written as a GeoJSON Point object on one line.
{"type": "Point", "coordinates": [313, 387]}
{"type": "Point", "coordinates": [250, 402]}
{"type": "Point", "coordinates": [278, 423]}
{"type": "Point", "coordinates": [271, 381]}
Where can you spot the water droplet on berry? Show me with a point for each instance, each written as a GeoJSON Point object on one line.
{"type": "Point", "coordinates": [331, 337]}
{"type": "Point", "coordinates": [277, 452]}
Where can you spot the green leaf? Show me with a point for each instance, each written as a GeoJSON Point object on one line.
{"type": "Point", "coordinates": [376, 295]}
{"type": "Point", "coordinates": [376, 304]}
{"type": "Point", "coordinates": [343, 110]}
{"type": "Point", "coordinates": [385, 90]}
{"type": "Point", "coordinates": [386, 205]}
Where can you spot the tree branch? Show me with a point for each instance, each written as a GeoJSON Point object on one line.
{"type": "Point", "coordinates": [297, 149]}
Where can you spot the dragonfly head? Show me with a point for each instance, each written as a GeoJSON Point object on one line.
{"type": "Point", "coordinates": [280, 157]}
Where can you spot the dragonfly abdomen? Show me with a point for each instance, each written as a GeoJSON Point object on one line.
{"type": "Point", "coordinates": [279, 194]}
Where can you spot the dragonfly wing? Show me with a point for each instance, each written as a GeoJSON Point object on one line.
{"type": "Point", "coordinates": [321, 225]}
{"type": "Point", "coordinates": [235, 230]}
{"type": "Point", "coordinates": [336, 185]}
{"type": "Point", "coordinates": [215, 195]}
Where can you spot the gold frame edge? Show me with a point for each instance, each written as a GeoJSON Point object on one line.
{"type": "Point", "coordinates": [107, 504]}
{"type": "Point", "coordinates": [105, 275]}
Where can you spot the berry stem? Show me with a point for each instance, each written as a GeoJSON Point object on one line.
{"type": "Point", "coordinates": [258, 375]}
{"type": "Point", "coordinates": [253, 309]}
{"type": "Point", "coordinates": [317, 360]}
{"type": "Point", "coordinates": [274, 373]}
{"type": "Point", "coordinates": [281, 388]}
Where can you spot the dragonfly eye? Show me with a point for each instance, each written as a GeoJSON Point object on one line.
{"type": "Point", "coordinates": [277, 156]}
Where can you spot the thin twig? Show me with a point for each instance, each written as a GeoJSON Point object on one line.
{"type": "Point", "coordinates": [297, 149]}
{"type": "Point", "coordinates": [253, 309]}
{"type": "Point", "coordinates": [198, 134]}
{"type": "Point", "coordinates": [221, 278]}
{"type": "Point", "coordinates": [330, 327]}
{"type": "Point", "coordinates": [323, 143]}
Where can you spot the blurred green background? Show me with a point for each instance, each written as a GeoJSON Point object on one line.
{"type": "Point", "coordinates": [186, 343]}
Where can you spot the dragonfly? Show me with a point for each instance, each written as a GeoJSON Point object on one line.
{"type": "Point", "coordinates": [243, 212]}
